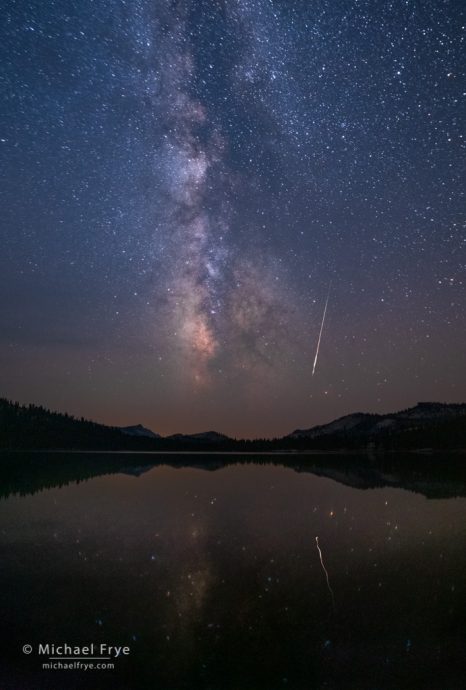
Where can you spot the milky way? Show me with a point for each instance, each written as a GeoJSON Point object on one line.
{"type": "Point", "coordinates": [218, 300]}
{"type": "Point", "coordinates": [182, 181]}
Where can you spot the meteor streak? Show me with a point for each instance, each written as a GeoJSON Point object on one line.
{"type": "Point", "coordinates": [326, 574]}
{"type": "Point", "coordinates": [321, 329]}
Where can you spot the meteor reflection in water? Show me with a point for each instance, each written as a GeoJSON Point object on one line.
{"type": "Point", "coordinates": [326, 574]}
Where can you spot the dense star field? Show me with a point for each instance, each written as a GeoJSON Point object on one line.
{"type": "Point", "coordinates": [185, 183]}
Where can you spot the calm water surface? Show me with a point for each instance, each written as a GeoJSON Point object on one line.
{"type": "Point", "coordinates": [214, 580]}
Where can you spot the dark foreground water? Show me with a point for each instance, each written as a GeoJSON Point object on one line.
{"type": "Point", "coordinates": [214, 579]}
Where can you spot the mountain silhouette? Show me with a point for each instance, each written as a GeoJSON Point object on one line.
{"type": "Point", "coordinates": [426, 426]}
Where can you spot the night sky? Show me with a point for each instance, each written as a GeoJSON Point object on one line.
{"type": "Point", "coordinates": [183, 184]}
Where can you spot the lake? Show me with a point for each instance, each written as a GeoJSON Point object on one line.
{"type": "Point", "coordinates": [233, 573]}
